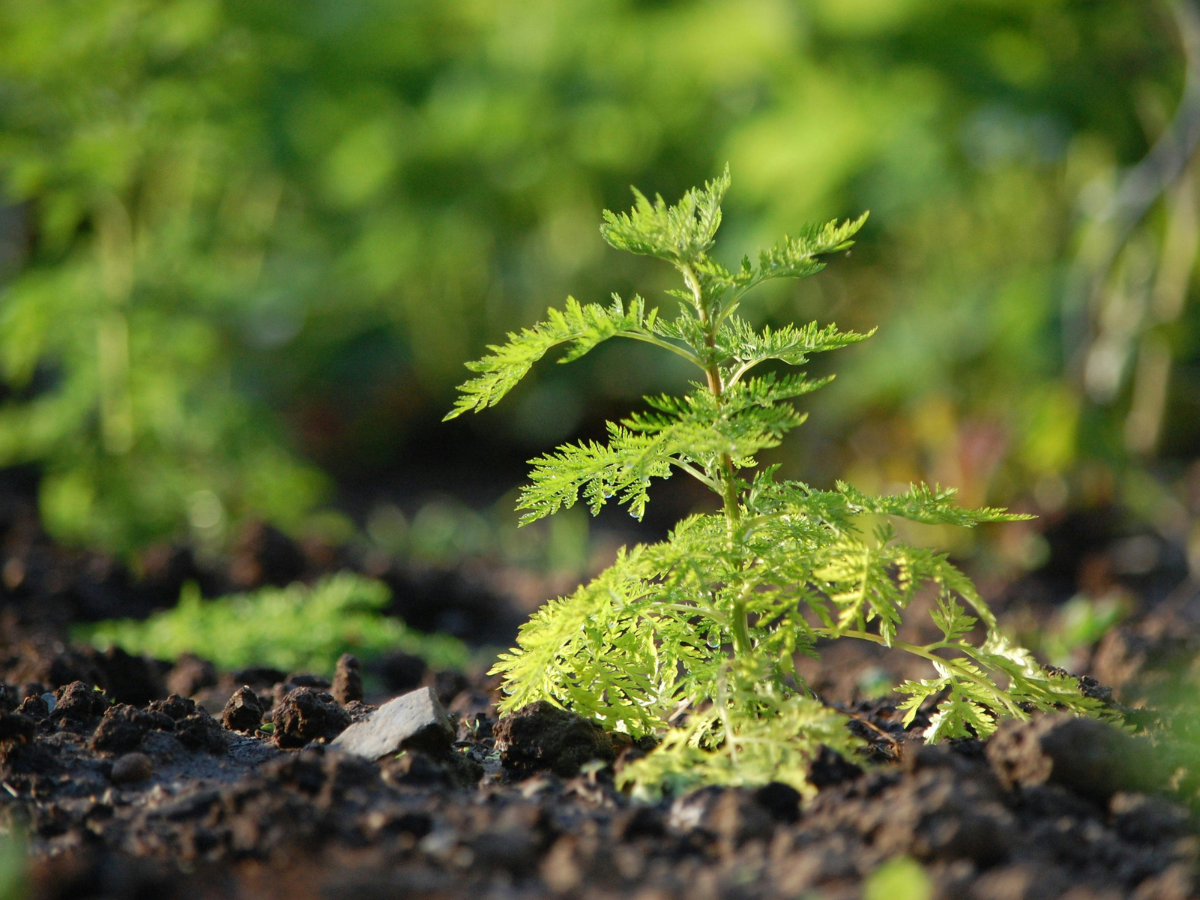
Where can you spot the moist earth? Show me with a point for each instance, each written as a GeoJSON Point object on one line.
{"type": "Point", "coordinates": [135, 778]}
{"type": "Point", "coordinates": [124, 796]}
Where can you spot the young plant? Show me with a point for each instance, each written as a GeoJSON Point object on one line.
{"type": "Point", "coordinates": [693, 639]}
{"type": "Point", "coordinates": [294, 628]}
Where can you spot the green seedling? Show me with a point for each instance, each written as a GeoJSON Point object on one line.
{"type": "Point", "coordinates": [693, 639]}
{"type": "Point", "coordinates": [296, 628]}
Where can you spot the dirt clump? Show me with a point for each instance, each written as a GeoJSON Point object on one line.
{"type": "Point", "coordinates": [78, 702]}
{"type": "Point", "coordinates": [347, 680]}
{"type": "Point", "coordinates": [543, 736]}
{"type": "Point", "coordinates": [200, 731]}
{"type": "Point", "coordinates": [174, 707]}
{"type": "Point", "coordinates": [1093, 759]}
{"type": "Point", "coordinates": [124, 726]}
{"type": "Point", "coordinates": [307, 714]}
{"type": "Point", "coordinates": [243, 712]}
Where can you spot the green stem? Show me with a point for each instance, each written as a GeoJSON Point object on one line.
{"type": "Point", "coordinates": [924, 653]}
{"type": "Point", "coordinates": [729, 488]}
{"type": "Point", "coordinates": [666, 345]}
{"type": "Point", "coordinates": [741, 628]}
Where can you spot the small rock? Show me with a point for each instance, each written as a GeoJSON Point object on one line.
{"type": "Point", "coordinates": [243, 712]}
{"type": "Point", "coordinates": [190, 674]}
{"type": "Point", "coordinates": [78, 701]}
{"type": "Point", "coordinates": [416, 720]}
{"type": "Point", "coordinates": [542, 736]}
{"type": "Point", "coordinates": [347, 680]}
{"type": "Point", "coordinates": [305, 715]}
{"type": "Point", "coordinates": [131, 768]}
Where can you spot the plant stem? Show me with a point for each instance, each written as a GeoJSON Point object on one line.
{"type": "Point", "coordinates": [741, 628]}
{"type": "Point", "coordinates": [729, 490]}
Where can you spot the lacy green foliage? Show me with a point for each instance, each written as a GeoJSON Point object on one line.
{"type": "Point", "coordinates": [693, 639]}
{"type": "Point", "coordinates": [296, 628]}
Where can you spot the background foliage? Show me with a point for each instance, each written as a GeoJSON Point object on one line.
{"type": "Point", "coordinates": [246, 246]}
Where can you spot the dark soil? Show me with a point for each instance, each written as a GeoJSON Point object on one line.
{"type": "Point", "coordinates": [159, 799]}
{"type": "Point", "coordinates": [134, 778]}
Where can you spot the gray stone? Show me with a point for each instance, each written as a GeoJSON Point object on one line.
{"type": "Point", "coordinates": [415, 720]}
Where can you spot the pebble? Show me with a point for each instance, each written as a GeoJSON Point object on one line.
{"type": "Point", "coordinates": [131, 768]}
{"type": "Point", "coordinates": [415, 720]}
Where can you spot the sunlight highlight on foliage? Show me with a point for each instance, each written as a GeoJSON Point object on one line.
{"type": "Point", "coordinates": [692, 639]}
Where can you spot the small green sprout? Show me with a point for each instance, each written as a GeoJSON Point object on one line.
{"type": "Point", "coordinates": [693, 639]}
{"type": "Point", "coordinates": [295, 628]}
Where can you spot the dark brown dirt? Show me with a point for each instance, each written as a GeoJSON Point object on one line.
{"type": "Point", "coordinates": [161, 800]}
{"type": "Point", "coordinates": [132, 792]}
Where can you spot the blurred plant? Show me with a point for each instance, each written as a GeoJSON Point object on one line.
{"type": "Point", "coordinates": [296, 628]}
{"type": "Point", "coordinates": [1077, 626]}
{"type": "Point", "coordinates": [445, 532]}
{"type": "Point", "coordinates": [14, 866]}
{"type": "Point", "coordinates": [900, 878]}
{"type": "Point", "coordinates": [241, 228]}
{"type": "Point", "coordinates": [693, 639]}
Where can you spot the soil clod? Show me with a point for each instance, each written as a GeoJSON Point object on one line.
{"type": "Point", "coordinates": [79, 702]}
{"type": "Point", "coordinates": [347, 680]}
{"type": "Point", "coordinates": [542, 736]}
{"type": "Point", "coordinates": [122, 729]}
{"type": "Point", "coordinates": [243, 712]}
{"type": "Point", "coordinates": [305, 715]}
{"type": "Point", "coordinates": [200, 731]}
{"type": "Point", "coordinates": [1093, 759]}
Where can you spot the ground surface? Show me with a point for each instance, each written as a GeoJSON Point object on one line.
{"type": "Point", "coordinates": [142, 791]}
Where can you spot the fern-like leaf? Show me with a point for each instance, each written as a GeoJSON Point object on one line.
{"type": "Point", "coordinates": [681, 233]}
{"type": "Point", "coordinates": [581, 326]}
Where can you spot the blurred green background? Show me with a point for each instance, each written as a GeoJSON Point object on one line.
{"type": "Point", "coordinates": [245, 247]}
